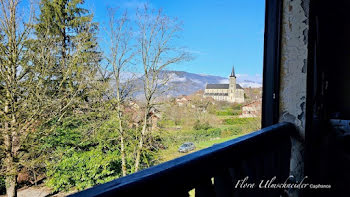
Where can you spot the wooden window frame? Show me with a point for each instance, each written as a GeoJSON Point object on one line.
{"type": "Point", "coordinates": [272, 62]}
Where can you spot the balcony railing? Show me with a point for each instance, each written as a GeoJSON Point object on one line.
{"type": "Point", "coordinates": [214, 171]}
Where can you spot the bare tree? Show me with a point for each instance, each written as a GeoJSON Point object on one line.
{"type": "Point", "coordinates": [12, 71]}
{"type": "Point", "coordinates": [157, 33]}
{"type": "Point", "coordinates": [121, 54]}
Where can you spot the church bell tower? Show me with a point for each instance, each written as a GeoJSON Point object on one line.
{"type": "Point", "coordinates": [232, 85]}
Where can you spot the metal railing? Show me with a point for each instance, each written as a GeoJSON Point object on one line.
{"type": "Point", "coordinates": [215, 171]}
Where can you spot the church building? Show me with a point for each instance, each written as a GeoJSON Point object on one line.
{"type": "Point", "coordinates": [231, 92]}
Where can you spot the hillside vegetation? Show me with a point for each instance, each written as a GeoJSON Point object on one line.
{"type": "Point", "coordinates": [216, 123]}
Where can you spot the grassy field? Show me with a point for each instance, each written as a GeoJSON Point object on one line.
{"type": "Point", "coordinates": [172, 151]}
{"type": "Point", "coordinates": [229, 127]}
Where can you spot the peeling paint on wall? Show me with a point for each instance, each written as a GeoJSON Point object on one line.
{"type": "Point", "coordinates": [293, 62]}
{"type": "Point", "coordinates": [293, 75]}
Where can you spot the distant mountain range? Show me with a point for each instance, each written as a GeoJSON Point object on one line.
{"type": "Point", "coordinates": [185, 83]}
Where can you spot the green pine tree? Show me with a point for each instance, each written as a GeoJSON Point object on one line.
{"type": "Point", "coordinates": [43, 76]}
{"type": "Point", "coordinates": [76, 49]}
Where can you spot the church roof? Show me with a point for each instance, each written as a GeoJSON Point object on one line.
{"type": "Point", "coordinates": [221, 86]}
{"type": "Point", "coordinates": [233, 72]}
{"type": "Point", "coordinates": [215, 94]}
{"type": "Point", "coordinates": [238, 86]}
{"type": "Point", "coordinates": [217, 86]}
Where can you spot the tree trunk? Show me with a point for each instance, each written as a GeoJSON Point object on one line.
{"type": "Point", "coordinates": [139, 149]}
{"type": "Point", "coordinates": [35, 181]}
{"type": "Point", "coordinates": [122, 148]}
{"type": "Point", "coordinates": [11, 182]}
{"type": "Point", "coordinates": [11, 177]}
{"type": "Point", "coordinates": [121, 130]}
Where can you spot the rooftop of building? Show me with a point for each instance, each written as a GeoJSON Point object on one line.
{"type": "Point", "coordinates": [221, 86]}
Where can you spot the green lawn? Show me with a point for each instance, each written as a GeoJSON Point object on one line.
{"type": "Point", "coordinates": [228, 126]}
{"type": "Point", "coordinates": [206, 144]}
{"type": "Point", "coordinates": [203, 138]}
{"type": "Point", "coordinates": [172, 151]}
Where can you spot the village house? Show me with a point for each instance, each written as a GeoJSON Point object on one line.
{"type": "Point", "coordinates": [182, 100]}
{"type": "Point", "coordinates": [154, 116]}
{"type": "Point", "coordinates": [133, 110]}
{"type": "Point", "coordinates": [252, 109]}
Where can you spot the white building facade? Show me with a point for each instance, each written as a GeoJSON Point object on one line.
{"type": "Point", "coordinates": [231, 92]}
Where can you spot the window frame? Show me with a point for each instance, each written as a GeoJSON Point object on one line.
{"type": "Point", "coordinates": [272, 62]}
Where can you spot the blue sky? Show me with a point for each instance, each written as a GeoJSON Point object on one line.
{"type": "Point", "coordinates": [219, 33]}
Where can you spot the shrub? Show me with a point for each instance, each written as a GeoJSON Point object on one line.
{"type": "Point", "coordinates": [205, 134]}
{"type": "Point", "coordinates": [166, 123]}
{"type": "Point", "coordinates": [236, 112]}
{"type": "Point", "coordinates": [231, 131]}
{"type": "Point", "coordinates": [83, 169]}
{"type": "Point", "coordinates": [224, 113]}
{"type": "Point", "coordinates": [237, 107]}
{"type": "Point", "coordinates": [201, 126]}
{"type": "Point", "coordinates": [85, 154]}
{"type": "Point", "coordinates": [229, 112]}
{"type": "Point", "coordinates": [233, 121]}
{"type": "Point", "coordinates": [2, 185]}
{"type": "Point", "coordinates": [214, 132]}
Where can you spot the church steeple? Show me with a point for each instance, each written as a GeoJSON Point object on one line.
{"type": "Point", "coordinates": [233, 72]}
